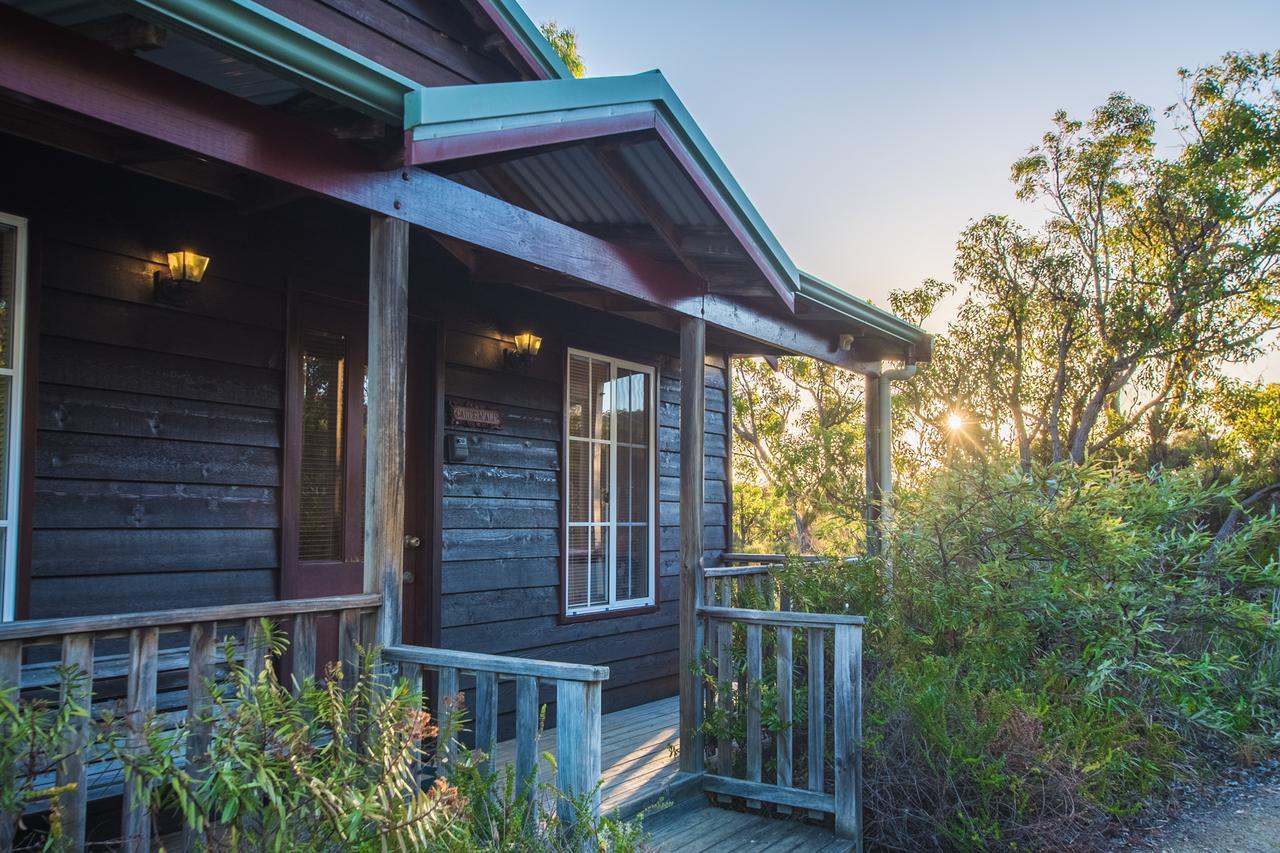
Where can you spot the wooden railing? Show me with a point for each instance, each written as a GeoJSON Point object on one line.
{"type": "Point", "coordinates": [577, 691]}
{"type": "Point", "coordinates": [168, 660]}
{"type": "Point", "coordinates": [826, 743]}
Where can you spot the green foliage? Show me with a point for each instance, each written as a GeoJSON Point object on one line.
{"type": "Point", "coordinates": [1101, 331]}
{"type": "Point", "coordinates": [564, 40]}
{"type": "Point", "coordinates": [326, 767]}
{"type": "Point", "coordinates": [1050, 652]}
{"type": "Point", "coordinates": [32, 738]}
{"type": "Point", "coordinates": [798, 434]}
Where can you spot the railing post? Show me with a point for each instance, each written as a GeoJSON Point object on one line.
{"type": "Point", "coordinates": [577, 744]}
{"type": "Point", "coordinates": [10, 679]}
{"type": "Point", "coordinates": [384, 443]}
{"type": "Point", "coordinates": [77, 658]}
{"type": "Point", "coordinates": [848, 732]}
{"type": "Point", "coordinates": [693, 337]}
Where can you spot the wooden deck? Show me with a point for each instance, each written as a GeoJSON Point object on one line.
{"type": "Point", "coordinates": [705, 828]}
{"type": "Point", "coordinates": [639, 765]}
{"type": "Point", "coordinates": [638, 760]}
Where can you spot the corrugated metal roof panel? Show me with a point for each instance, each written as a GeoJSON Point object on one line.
{"type": "Point", "coordinates": [570, 184]}
{"type": "Point", "coordinates": [670, 186]}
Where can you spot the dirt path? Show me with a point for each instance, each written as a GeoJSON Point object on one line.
{"type": "Point", "coordinates": [1243, 820]}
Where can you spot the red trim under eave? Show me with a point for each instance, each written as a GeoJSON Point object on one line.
{"type": "Point", "coordinates": [420, 152]}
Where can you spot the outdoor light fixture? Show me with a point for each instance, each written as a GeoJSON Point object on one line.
{"type": "Point", "coordinates": [186, 268]}
{"type": "Point", "coordinates": [527, 346]}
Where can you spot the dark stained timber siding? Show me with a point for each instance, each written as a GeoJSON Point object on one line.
{"type": "Point", "coordinates": [501, 534]}
{"type": "Point", "coordinates": [158, 428]}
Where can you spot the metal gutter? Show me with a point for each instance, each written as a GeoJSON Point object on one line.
{"type": "Point", "coordinates": [880, 321]}
{"type": "Point", "coordinates": [460, 110]}
{"type": "Point", "coordinates": [528, 40]}
{"type": "Point", "coordinates": [271, 41]}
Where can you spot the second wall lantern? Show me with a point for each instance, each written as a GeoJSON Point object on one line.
{"type": "Point", "coordinates": [186, 269]}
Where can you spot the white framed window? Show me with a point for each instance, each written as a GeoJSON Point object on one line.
{"type": "Point", "coordinates": [610, 484]}
{"type": "Point", "coordinates": [13, 292]}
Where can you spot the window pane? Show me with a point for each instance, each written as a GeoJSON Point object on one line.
{"type": "Point", "coordinates": [579, 399]}
{"type": "Point", "coordinates": [633, 406]}
{"type": "Point", "coordinates": [323, 409]}
{"type": "Point", "coordinates": [6, 390]}
{"type": "Point", "coordinates": [579, 479]}
{"type": "Point", "coordinates": [601, 405]}
{"type": "Point", "coordinates": [8, 292]}
{"type": "Point", "coordinates": [578, 562]}
{"type": "Point", "coordinates": [623, 571]}
{"type": "Point", "coordinates": [641, 571]}
{"type": "Point", "coordinates": [634, 483]}
{"type": "Point", "coordinates": [600, 482]}
{"type": "Point", "coordinates": [599, 591]}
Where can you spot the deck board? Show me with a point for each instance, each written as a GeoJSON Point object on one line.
{"type": "Point", "coordinates": [710, 829]}
{"type": "Point", "coordinates": [636, 758]}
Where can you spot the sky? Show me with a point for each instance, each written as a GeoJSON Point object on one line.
{"type": "Point", "coordinates": [869, 134]}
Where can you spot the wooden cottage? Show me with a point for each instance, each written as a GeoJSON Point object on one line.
{"type": "Point", "coordinates": [365, 316]}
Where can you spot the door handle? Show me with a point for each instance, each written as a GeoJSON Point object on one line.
{"type": "Point", "coordinates": [408, 577]}
{"type": "Point", "coordinates": [411, 541]}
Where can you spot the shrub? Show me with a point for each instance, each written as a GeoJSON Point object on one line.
{"type": "Point", "coordinates": [325, 767]}
{"type": "Point", "coordinates": [1049, 654]}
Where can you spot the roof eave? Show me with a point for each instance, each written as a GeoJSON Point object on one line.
{"type": "Point", "coordinates": [271, 41]}
{"type": "Point", "coordinates": [878, 321]}
{"type": "Point", "coordinates": [526, 38]}
{"type": "Point", "coordinates": [488, 105]}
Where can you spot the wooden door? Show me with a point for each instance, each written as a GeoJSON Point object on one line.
{"type": "Point", "coordinates": [322, 527]}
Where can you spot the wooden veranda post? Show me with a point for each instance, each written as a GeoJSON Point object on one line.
{"type": "Point", "coordinates": [693, 345]}
{"type": "Point", "coordinates": [872, 441]}
{"type": "Point", "coordinates": [385, 433]}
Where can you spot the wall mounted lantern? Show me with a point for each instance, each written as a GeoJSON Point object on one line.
{"type": "Point", "coordinates": [527, 346]}
{"type": "Point", "coordinates": [186, 268]}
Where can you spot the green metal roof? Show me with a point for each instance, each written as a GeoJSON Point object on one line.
{"type": "Point", "coordinates": [257, 34]}
{"type": "Point", "coordinates": [473, 108]}
{"type": "Point", "coordinates": [843, 302]}
{"type": "Point", "coordinates": [528, 32]}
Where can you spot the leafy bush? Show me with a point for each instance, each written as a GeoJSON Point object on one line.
{"type": "Point", "coordinates": [1049, 653]}
{"type": "Point", "coordinates": [320, 767]}
{"type": "Point", "coordinates": [32, 738]}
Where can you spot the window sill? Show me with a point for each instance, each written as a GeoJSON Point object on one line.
{"type": "Point", "coordinates": [620, 612]}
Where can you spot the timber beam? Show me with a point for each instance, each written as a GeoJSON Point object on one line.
{"type": "Point", "coordinates": [70, 71]}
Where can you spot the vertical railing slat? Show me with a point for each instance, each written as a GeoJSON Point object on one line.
{"type": "Point", "coordinates": [487, 717]}
{"type": "Point", "coordinates": [754, 675]}
{"type": "Point", "coordinates": [141, 704]}
{"type": "Point", "coordinates": [817, 710]}
{"type": "Point", "coordinates": [255, 647]}
{"type": "Point", "coordinates": [724, 683]}
{"type": "Point", "coordinates": [201, 662]}
{"type": "Point", "coordinates": [412, 674]}
{"type": "Point", "coordinates": [527, 725]}
{"type": "Point", "coordinates": [10, 679]}
{"type": "Point", "coordinates": [77, 660]}
{"type": "Point", "coordinates": [785, 733]}
{"type": "Point", "coordinates": [577, 745]}
{"type": "Point", "coordinates": [304, 648]}
{"type": "Point", "coordinates": [848, 731]}
{"type": "Point", "coordinates": [446, 711]}
{"type": "Point", "coordinates": [349, 632]}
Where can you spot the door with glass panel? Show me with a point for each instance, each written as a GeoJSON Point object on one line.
{"type": "Point", "coordinates": [324, 460]}
{"type": "Point", "coordinates": [13, 253]}
{"type": "Point", "coordinates": [610, 485]}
